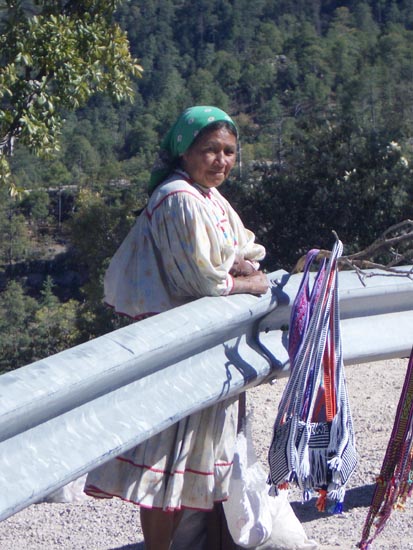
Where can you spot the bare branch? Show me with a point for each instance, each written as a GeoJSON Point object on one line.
{"type": "Point", "coordinates": [395, 245]}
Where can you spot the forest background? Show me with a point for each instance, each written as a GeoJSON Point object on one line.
{"type": "Point", "coordinates": [322, 92]}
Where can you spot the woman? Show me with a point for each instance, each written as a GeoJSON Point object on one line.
{"type": "Point", "coordinates": [187, 243]}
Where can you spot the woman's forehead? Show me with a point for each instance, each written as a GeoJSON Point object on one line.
{"type": "Point", "coordinates": [221, 135]}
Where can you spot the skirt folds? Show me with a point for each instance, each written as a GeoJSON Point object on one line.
{"type": "Point", "coordinates": [188, 465]}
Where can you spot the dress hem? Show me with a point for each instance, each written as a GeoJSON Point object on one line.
{"type": "Point", "coordinates": [95, 492]}
{"type": "Point", "coordinates": [175, 472]}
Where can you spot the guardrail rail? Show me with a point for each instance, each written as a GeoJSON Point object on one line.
{"type": "Point", "coordinates": [62, 416]}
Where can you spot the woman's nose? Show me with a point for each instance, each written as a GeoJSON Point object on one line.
{"type": "Point", "coordinates": [220, 158]}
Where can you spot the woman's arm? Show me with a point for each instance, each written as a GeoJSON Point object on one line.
{"type": "Point", "coordinates": [255, 283]}
{"type": "Point", "coordinates": [246, 278]}
{"type": "Point", "coordinates": [194, 258]}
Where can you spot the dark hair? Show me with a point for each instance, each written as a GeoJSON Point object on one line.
{"type": "Point", "coordinates": [213, 127]}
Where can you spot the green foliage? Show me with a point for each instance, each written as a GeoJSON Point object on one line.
{"type": "Point", "coordinates": [16, 311]}
{"type": "Point", "coordinates": [357, 185]}
{"type": "Point", "coordinates": [321, 93]}
{"type": "Point", "coordinates": [57, 58]}
{"type": "Point", "coordinates": [36, 205]}
{"type": "Point", "coordinates": [15, 241]}
{"type": "Point", "coordinates": [54, 324]}
{"type": "Point", "coordinates": [97, 229]}
{"type": "Point", "coordinates": [31, 329]}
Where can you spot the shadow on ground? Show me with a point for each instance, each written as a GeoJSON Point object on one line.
{"type": "Point", "coordinates": [137, 546]}
{"type": "Point", "coordinates": [358, 497]}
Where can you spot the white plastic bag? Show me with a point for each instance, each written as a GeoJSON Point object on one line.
{"type": "Point", "coordinates": [287, 532]}
{"type": "Point", "coordinates": [247, 509]}
{"type": "Point", "coordinates": [71, 493]}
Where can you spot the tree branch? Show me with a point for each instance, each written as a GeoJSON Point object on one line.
{"type": "Point", "coordinates": [393, 248]}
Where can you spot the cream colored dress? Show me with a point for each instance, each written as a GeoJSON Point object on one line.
{"type": "Point", "coordinates": [182, 247]}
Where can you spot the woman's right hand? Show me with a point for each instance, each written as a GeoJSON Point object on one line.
{"type": "Point", "coordinates": [255, 283]}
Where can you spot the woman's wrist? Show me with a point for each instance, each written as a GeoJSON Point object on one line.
{"type": "Point", "coordinates": [255, 283]}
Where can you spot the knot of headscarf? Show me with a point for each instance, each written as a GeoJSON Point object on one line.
{"type": "Point", "coordinates": [180, 138]}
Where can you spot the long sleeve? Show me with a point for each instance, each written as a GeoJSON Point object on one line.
{"type": "Point", "coordinates": [196, 244]}
{"type": "Point", "coordinates": [182, 247]}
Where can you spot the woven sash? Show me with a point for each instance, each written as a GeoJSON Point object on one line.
{"type": "Point", "coordinates": [313, 440]}
{"type": "Point", "coordinates": [394, 483]}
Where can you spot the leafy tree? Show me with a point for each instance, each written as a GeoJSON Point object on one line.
{"type": "Point", "coordinates": [142, 139]}
{"type": "Point", "coordinates": [54, 324]}
{"type": "Point", "coordinates": [226, 70]}
{"type": "Point", "coordinates": [16, 312]}
{"type": "Point", "coordinates": [15, 241]}
{"type": "Point", "coordinates": [31, 329]}
{"type": "Point", "coordinates": [358, 185]}
{"type": "Point", "coordinates": [36, 205]}
{"type": "Point", "coordinates": [54, 55]}
{"type": "Point", "coordinates": [204, 90]}
{"type": "Point", "coordinates": [97, 229]}
{"type": "Point", "coordinates": [55, 174]}
{"type": "Point", "coordinates": [83, 159]}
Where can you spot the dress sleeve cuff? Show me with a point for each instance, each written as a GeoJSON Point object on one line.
{"type": "Point", "coordinates": [230, 285]}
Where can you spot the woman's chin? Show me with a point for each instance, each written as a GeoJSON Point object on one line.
{"type": "Point", "coordinates": [214, 181]}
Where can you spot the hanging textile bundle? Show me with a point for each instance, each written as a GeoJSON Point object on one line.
{"type": "Point", "coordinates": [395, 482]}
{"type": "Point", "coordinates": [313, 442]}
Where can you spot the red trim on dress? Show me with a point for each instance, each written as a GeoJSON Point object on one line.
{"type": "Point", "coordinates": [95, 492]}
{"type": "Point", "coordinates": [168, 472]}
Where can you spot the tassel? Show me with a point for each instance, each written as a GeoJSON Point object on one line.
{"type": "Point", "coordinates": [306, 495]}
{"type": "Point", "coordinates": [322, 500]}
{"type": "Point", "coordinates": [338, 509]}
{"type": "Point", "coordinates": [335, 463]}
{"type": "Point", "coordinates": [336, 493]}
{"type": "Point", "coordinates": [303, 462]}
{"type": "Point", "coordinates": [380, 480]}
{"type": "Point", "coordinates": [319, 468]}
{"type": "Point", "coordinates": [283, 486]}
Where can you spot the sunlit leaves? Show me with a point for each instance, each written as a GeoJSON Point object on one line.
{"type": "Point", "coordinates": [58, 58]}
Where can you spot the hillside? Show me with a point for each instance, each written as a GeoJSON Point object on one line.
{"type": "Point", "coordinates": [322, 94]}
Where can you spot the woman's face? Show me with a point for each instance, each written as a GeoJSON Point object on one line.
{"type": "Point", "coordinates": [210, 159]}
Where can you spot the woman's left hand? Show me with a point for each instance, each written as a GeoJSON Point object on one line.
{"type": "Point", "coordinates": [241, 267]}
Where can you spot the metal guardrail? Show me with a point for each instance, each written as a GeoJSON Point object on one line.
{"type": "Point", "coordinates": [64, 415]}
{"type": "Point", "coordinates": [376, 317]}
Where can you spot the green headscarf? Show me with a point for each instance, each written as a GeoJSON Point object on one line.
{"type": "Point", "coordinates": [180, 138]}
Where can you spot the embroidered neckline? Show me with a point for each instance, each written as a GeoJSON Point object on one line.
{"type": "Point", "coordinates": [204, 190]}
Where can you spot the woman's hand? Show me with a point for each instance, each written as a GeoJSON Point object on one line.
{"type": "Point", "coordinates": [241, 267]}
{"type": "Point", "coordinates": [255, 283]}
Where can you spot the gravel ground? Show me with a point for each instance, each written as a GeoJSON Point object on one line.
{"type": "Point", "coordinates": [374, 391]}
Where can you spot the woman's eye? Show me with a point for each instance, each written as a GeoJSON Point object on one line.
{"type": "Point", "coordinates": [215, 151]}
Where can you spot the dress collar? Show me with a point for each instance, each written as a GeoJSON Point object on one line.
{"type": "Point", "coordinates": [204, 190]}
